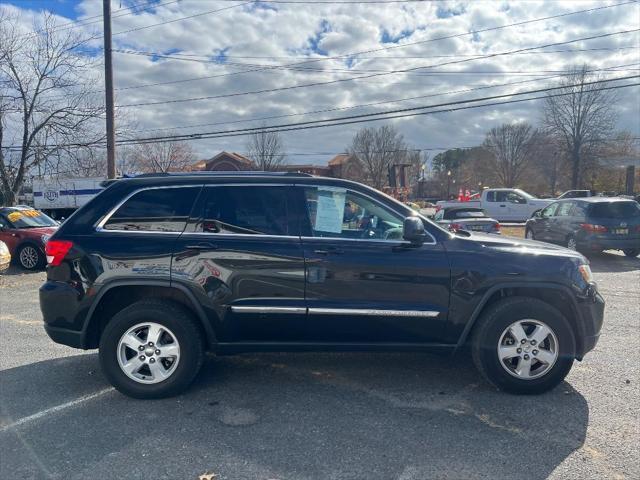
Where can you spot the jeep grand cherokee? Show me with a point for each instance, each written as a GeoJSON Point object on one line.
{"type": "Point", "coordinates": [157, 270]}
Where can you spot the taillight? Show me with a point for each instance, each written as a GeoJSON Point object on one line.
{"type": "Point", "coordinates": [591, 228]}
{"type": "Point", "coordinates": [496, 227]}
{"type": "Point", "coordinates": [56, 250]}
{"type": "Point", "coordinates": [455, 227]}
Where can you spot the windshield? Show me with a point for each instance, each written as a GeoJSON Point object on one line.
{"type": "Point", "coordinates": [18, 218]}
{"type": "Point", "coordinates": [523, 193]}
{"type": "Point", "coordinates": [615, 210]}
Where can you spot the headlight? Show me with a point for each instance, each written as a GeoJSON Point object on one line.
{"type": "Point", "coordinates": [45, 238]}
{"type": "Point", "coordinates": [4, 250]}
{"type": "Point", "coordinates": [585, 271]}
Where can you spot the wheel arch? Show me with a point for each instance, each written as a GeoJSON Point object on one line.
{"type": "Point", "coordinates": [556, 295]}
{"type": "Point", "coordinates": [117, 295]}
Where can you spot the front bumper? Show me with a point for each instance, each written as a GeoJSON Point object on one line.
{"type": "Point", "coordinates": [5, 261]}
{"type": "Point", "coordinates": [592, 313]}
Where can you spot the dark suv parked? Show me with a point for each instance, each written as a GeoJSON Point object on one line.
{"type": "Point", "coordinates": [589, 224]}
{"type": "Point", "coordinates": [155, 271]}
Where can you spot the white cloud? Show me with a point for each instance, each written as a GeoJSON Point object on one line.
{"type": "Point", "coordinates": [287, 29]}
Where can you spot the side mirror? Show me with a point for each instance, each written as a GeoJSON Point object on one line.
{"type": "Point", "coordinates": [413, 230]}
{"type": "Point", "coordinates": [537, 214]}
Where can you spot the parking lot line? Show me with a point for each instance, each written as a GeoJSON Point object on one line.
{"type": "Point", "coordinates": [57, 408]}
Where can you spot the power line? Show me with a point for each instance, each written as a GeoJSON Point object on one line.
{"type": "Point", "coordinates": [327, 110]}
{"type": "Point", "coordinates": [166, 22]}
{"type": "Point", "coordinates": [133, 9]}
{"type": "Point", "coordinates": [446, 37]}
{"type": "Point", "coordinates": [373, 75]}
{"type": "Point", "coordinates": [384, 115]}
{"type": "Point", "coordinates": [208, 77]}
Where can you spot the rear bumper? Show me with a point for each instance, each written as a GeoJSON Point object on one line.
{"type": "Point", "coordinates": [606, 243]}
{"type": "Point", "coordinates": [592, 313]}
{"type": "Point", "coordinates": [65, 336]}
{"type": "Point", "coordinates": [63, 314]}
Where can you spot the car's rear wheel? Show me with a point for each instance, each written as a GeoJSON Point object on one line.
{"type": "Point", "coordinates": [151, 349]}
{"type": "Point", "coordinates": [632, 252]}
{"type": "Point", "coordinates": [523, 345]}
{"type": "Point", "coordinates": [31, 257]}
{"type": "Point", "coordinates": [572, 243]}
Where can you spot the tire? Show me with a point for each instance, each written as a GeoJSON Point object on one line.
{"type": "Point", "coordinates": [572, 244]}
{"type": "Point", "coordinates": [489, 333]}
{"type": "Point", "coordinates": [632, 252]}
{"type": "Point", "coordinates": [528, 234]}
{"type": "Point", "coordinates": [172, 371]}
{"type": "Point", "coordinates": [31, 257]}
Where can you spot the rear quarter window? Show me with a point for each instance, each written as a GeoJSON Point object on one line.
{"type": "Point", "coordinates": [155, 210]}
{"type": "Point", "coordinates": [615, 210]}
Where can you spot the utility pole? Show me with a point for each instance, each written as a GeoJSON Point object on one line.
{"type": "Point", "coordinates": [108, 85]}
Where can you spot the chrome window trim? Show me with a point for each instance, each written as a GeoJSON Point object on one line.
{"type": "Point", "coordinates": [267, 309]}
{"type": "Point", "coordinates": [374, 312]}
{"type": "Point", "coordinates": [99, 227]}
{"type": "Point", "coordinates": [242, 235]}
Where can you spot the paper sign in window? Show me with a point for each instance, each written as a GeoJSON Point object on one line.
{"type": "Point", "coordinates": [330, 210]}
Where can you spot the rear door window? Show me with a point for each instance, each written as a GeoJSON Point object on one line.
{"type": "Point", "coordinates": [246, 210]}
{"type": "Point", "coordinates": [155, 210]}
{"type": "Point", "coordinates": [615, 210]}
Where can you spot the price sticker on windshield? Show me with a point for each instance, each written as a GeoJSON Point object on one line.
{"type": "Point", "coordinates": [14, 216]}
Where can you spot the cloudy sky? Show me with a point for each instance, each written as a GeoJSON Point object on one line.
{"type": "Point", "coordinates": [210, 58]}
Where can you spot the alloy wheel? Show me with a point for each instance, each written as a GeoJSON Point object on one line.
{"type": "Point", "coordinates": [528, 349]}
{"type": "Point", "coordinates": [572, 244]}
{"type": "Point", "coordinates": [148, 353]}
{"type": "Point", "coordinates": [29, 257]}
{"type": "Point", "coordinates": [529, 235]}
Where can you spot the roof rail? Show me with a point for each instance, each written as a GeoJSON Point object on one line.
{"type": "Point", "coordinates": [208, 173]}
{"type": "Point", "coordinates": [231, 173]}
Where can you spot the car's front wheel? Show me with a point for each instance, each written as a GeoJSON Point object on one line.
{"type": "Point", "coordinates": [529, 234]}
{"type": "Point", "coordinates": [151, 349]}
{"type": "Point", "coordinates": [632, 252]}
{"type": "Point", "coordinates": [523, 345]}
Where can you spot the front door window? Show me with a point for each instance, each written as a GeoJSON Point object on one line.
{"type": "Point", "coordinates": [335, 212]}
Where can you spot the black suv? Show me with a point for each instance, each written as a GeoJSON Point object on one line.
{"type": "Point", "coordinates": [156, 271]}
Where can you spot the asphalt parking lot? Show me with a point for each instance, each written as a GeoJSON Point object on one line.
{"type": "Point", "coordinates": [320, 416]}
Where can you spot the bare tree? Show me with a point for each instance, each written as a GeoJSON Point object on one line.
{"type": "Point", "coordinates": [45, 104]}
{"type": "Point", "coordinates": [164, 157]}
{"type": "Point", "coordinates": [378, 149]}
{"type": "Point", "coordinates": [511, 146]}
{"type": "Point", "coordinates": [582, 118]}
{"type": "Point", "coordinates": [266, 150]}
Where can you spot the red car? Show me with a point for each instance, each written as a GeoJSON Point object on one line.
{"type": "Point", "coordinates": [25, 231]}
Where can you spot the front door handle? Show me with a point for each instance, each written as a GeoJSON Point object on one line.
{"type": "Point", "coordinates": [329, 251]}
{"type": "Point", "coordinates": [503, 206]}
{"type": "Point", "coordinates": [202, 246]}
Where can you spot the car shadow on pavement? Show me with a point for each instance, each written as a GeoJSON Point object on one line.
{"type": "Point", "coordinates": [286, 416]}
{"type": "Point", "coordinates": [610, 261]}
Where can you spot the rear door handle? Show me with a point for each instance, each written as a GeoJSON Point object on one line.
{"type": "Point", "coordinates": [202, 246]}
{"type": "Point", "coordinates": [503, 205]}
{"type": "Point", "coordinates": [329, 251]}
